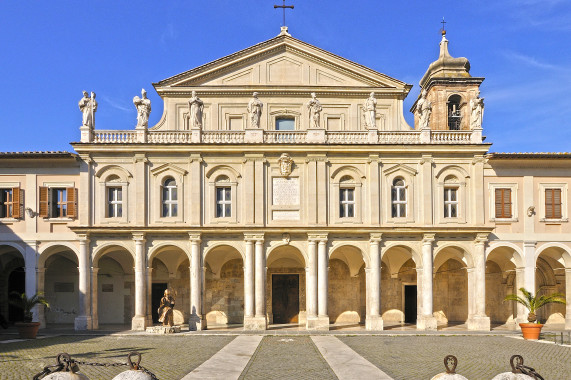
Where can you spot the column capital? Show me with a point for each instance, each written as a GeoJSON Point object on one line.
{"type": "Point", "coordinates": [470, 270]}
{"type": "Point", "coordinates": [139, 236]}
{"type": "Point", "coordinates": [83, 238]}
{"type": "Point", "coordinates": [481, 238]}
{"type": "Point", "coordinates": [317, 236]}
{"type": "Point", "coordinates": [150, 269]}
{"type": "Point", "coordinates": [375, 237]}
{"type": "Point", "coordinates": [428, 238]}
{"type": "Point", "coordinates": [94, 270]}
{"type": "Point", "coordinates": [31, 243]}
{"type": "Point", "coordinates": [194, 236]}
{"type": "Point", "coordinates": [529, 244]}
{"type": "Point", "coordinates": [568, 270]}
{"type": "Point", "coordinates": [254, 236]}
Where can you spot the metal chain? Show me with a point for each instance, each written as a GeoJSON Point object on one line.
{"type": "Point", "coordinates": [516, 362]}
{"type": "Point", "coordinates": [66, 363]}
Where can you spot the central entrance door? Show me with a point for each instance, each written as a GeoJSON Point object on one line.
{"type": "Point", "coordinates": [157, 291]}
{"type": "Point", "coordinates": [285, 298]}
{"type": "Point", "coordinates": [410, 304]}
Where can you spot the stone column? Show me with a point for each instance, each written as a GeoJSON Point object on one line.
{"type": "Point", "coordinates": [528, 277]}
{"type": "Point", "coordinates": [521, 311]}
{"type": "Point", "coordinates": [139, 321]}
{"type": "Point", "coordinates": [249, 286]}
{"type": "Point", "coordinates": [94, 298]}
{"type": "Point", "coordinates": [427, 320]}
{"type": "Point", "coordinates": [311, 285]}
{"type": "Point", "coordinates": [322, 322]}
{"type": "Point", "coordinates": [41, 312]}
{"type": "Point", "coordinates": [471, 293]}
{"type": "Point", "coordinates": [568, 298]}
{"type": "Point", "coordinates": [83, 319]}
{"type": "Point", "coordinates": [479, 320]}
{"type": "Point", "coordinates": [31, 260]}
{"type": "Point", "coordinates": [260, 320]}
{"type": "Point", "coordinates": [149, 295]}
{"type": "Point", "coordinates": [196, 320]}
{"type": "Point", "coordinates": [374, 321]}
{"type": "Point", "coordinates": [418, 294]}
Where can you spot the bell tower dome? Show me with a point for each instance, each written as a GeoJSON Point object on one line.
{"type": "Point", "coordinates": [452, 92]}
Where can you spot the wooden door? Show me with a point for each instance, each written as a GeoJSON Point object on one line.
{"type": "Point", "coordinates": [285, 298]}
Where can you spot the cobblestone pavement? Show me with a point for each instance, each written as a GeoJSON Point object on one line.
{"type": "Point", "coordinates": [287, 357]}
{"type": "Point", "coordinates": [479, 357]}
{"type": "Point", "coordinates": [169, 357]}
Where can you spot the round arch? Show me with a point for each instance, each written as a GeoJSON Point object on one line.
{"type": "Point", "coordinates": [460, 251]}
{"type": "Point", "coordinates": [16, 246]}
{"type": "Point", "coordinates": [156, 249]}
{"type": "Point", "coordinates": [210, 247]}
{"type": "Point", "coordinates": [565, 255]}
{"type": "Point", "coordinates": [408, 247]}
{"type": "Point", "coordinates": [49, 249]}
{"type": "Point", "coordinates": [295, 244]}
{"type": "Point", "coordinates": [517, 253]}
{"type": "Point", "coordinates": [351, 255]}
{"type": "Point", "coordinates": [104, 248]}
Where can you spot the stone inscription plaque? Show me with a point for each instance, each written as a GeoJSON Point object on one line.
{"type": "Point", "coordinates": [285, 191]}
{"type": "Point", "coordinates": [285, 215]}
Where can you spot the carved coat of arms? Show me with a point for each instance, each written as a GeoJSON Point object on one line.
{"type": "Point", "coordinates": [285, 162]}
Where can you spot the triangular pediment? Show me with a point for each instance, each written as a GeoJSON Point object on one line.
{"type": "Point", "coordinates": [282, 61]}
{"type": "Point", "coordinates": [400, 167]}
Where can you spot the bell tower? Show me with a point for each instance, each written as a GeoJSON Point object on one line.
{"type": "Point", "coordinates": [451, 93]}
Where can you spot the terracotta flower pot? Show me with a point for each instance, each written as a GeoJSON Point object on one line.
{"type": "Point", "coordinates": [27, 330]}
{"type": "Point", "coordinates": [530, 331]}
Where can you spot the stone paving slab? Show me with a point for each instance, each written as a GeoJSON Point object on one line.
{"type": "Point", "coordinates": [229, 362]}
{"type": "Point", "coordinates": [479, 357]}
{"type": "Point", "coordinates": [287, 357]}
{"type": "Point", "coordinates": [169, 357]}
{"type": "Point", "coordinates": [345, 362]}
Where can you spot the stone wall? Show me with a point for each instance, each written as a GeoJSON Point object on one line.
{"type": "Point", "coordinates": [451, 292]}
{"type": "Point", "coordinates": [345, 301]}
{"type": "Point", "coordinates": [224, 296]}
{"type": "Point", "coordinates": [392, 298]}
{"type": "Point", "coordinates": [497, 287]}
{"type": "Point", "coordinates": [62, 291]}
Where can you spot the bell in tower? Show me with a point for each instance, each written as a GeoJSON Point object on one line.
{"type": "Point", "coordinates": [452, 93]}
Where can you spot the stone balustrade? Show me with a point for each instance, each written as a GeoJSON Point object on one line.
{"type": "Point", "coordinates": [283, 137]}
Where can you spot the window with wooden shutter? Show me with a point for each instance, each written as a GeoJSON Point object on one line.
{"type": "Point", "coordinates": [71, 202]}
{"type": "Point", "coordinates": [553, 203]}
{"type": "Point", "coordinates": [44, 202]}
{"type": "Point", "coordinates": [503, 199]}
{"type": "Point", "coordinates": [16, 203]}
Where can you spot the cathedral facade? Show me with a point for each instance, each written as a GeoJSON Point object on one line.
{"type": "Point", "coordinates": [282, 185]}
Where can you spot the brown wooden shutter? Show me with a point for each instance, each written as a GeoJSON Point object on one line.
{"type": "Point", "coordinates": [507, 201]}
{"type": "Point", "coordinates": [498, 201]}
{"type": "Point", "coordinates": [549, 204]}
{"type": "Point", "coordinates": [71, 202]}
{"type": "Point", "coordinates": [44, 202]}
{"type": "Point", "coordinates": [557, 203]}
{"type": "Point", "coordinates": [16, 203]}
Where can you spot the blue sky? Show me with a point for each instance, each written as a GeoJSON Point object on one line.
{"type": "Point", "coordinates": [53, 50]}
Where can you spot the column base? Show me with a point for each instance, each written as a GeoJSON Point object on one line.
{"type": "Point", "coordinates": [255, 323]}
{"type": "Point", "coordinates": [149, 320]}
{"type": "Point", "coordinates": [196, 323]}
{"type": "Point", "coordinates": [83, 323]}
{"type": "Point", "coordinates": [426, 322]}
{"type": "Point", "coordinates": [480, 323]}
{"type": "Point", "coordinates": [139, 323]}
{"type": "Point", "coordinates": [94, 323]}
{"type": "Point", "coordinates": [374, 323]}
{"type": "Point", "coordinates": [319, 323]}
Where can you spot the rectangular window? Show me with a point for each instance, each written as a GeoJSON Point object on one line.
{"type": "Point", "coordinates": [398, 197]}
{"type": "Point", "coordinates": [451, 203]}
{"type": "Point", "coordinates": [503, 201]}
{"type": "Point", "coordinates": [347, 203]}
{"type": "Point", "coordinates": [553, 204]}
{"type": "Point", "coordinates": [223, 202]}
{"type": "Point", "coordinates": [59, 203]}
{"type": "Point", "coordinates": [115, 202]}
{"type": "Point", "coordinates": [6, 203]}
{"type": "Point", "coordinates": [285, 124]}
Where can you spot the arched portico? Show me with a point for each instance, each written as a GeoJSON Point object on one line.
{"type": "Point", "coordinates": [12, 279]}
{"type": "Point", "coordinates": [347, 286]}
{"type": "Point", "coordinates": [553, 275]}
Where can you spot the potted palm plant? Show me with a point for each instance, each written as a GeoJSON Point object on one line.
{"type": "Point", "coordinates": [28, 329]}
{"type": "Point", "coordinates": [533, 303]}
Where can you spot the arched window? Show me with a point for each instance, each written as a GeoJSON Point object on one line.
{"type": "Point", "coordinates": [223, 197]}
{"type": "Point", "coordinates": [169, 198]}
{"type": "Point", "coordinates": [454, 114]}
{"type": "Point", "coordinates": [346, 197]}
{"type": "Point", "coordinates": [398, 198]}
{"type": "Point", "coordinates": [450, 197]}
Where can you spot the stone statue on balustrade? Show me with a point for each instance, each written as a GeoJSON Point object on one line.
{"type": "Point", "coordinates": [143, 106]}
{"type": "Point", "coordinates": [315, 109]}
{"type": "Point", "coordinates": [88, 106]}
{"type": "Point", "coordinates": [166, 309]}
{"type": "Point", "coordinates": [476, 111]}
{"type": "Point", "coordinates": [195, 107]}
{"type": "Point", "coordinates": [255, 107]}
{"type": "Point", "coordinates": [370, 108]}
{"type": "Point", "coordinates": [424, 110]}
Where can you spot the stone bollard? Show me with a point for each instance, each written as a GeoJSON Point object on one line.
{"type": "Point", "coordinates": [66, 370]}
{"type": "Point", "coordinates": [519, 371]}
{"type": "Point", "coordinates": [135, 373]}
{"type": "Point", "coordinates": [450, 362]}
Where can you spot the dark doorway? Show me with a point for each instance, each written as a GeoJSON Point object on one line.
{"type": "Point", "coordinates": [285, 298]}
{"type": "Point", "coordinates": [17, 284]}
{"type": "Point", "coordinates": [410, 304]}
{"type": "Point", "coordinates": [157, 291]}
